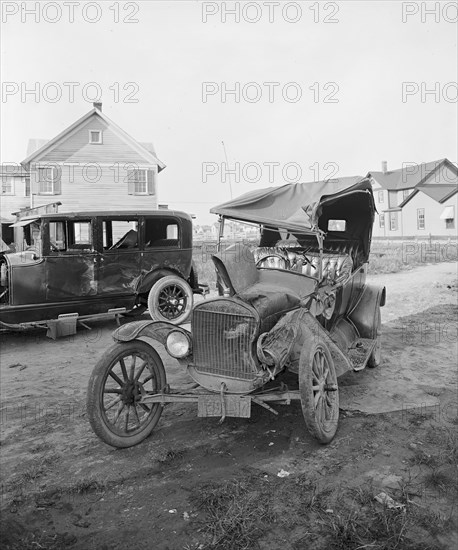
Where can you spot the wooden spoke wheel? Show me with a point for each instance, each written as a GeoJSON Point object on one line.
{"type": "Point", "coordinates": [319, 391]}
{"type": "Point", "coordinates": [127, 373]}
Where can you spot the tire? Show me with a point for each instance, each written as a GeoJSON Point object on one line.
{"type": "Point", "coordinates": [376, 355]}
{"type": "Point", "coordinates": [170, 299]}
{"type": "Point", "coordinates": [111, 384]}
{"type": "Point", "coordinates": [320, 405]}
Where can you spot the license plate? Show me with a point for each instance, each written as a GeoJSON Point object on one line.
{"type": "Point", "coordinates": [234, 405]}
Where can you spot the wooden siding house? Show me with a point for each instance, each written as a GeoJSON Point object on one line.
{"type": "Point", "coordinates": [15, 195]}
{"type": "Point", "coordinates": [93, 165]}
{"type": "Point", "coordinates": [412, 201]}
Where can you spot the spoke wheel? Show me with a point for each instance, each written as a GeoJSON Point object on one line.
{"type": "Point", "coordinates": [319, 391]}
{"type": "Point", "coordinates": [170, 299]}
{"type": "Point", "coordinates": [128, 372]}
{"type": "Point", "coordinates": [376, 355]}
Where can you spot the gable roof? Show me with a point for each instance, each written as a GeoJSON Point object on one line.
{"type": "Point", "coordinates": [406, 177]}
{"type": "Point", "coordinates": [440, 192]}
{"type": "Point", "coordinates": [138, 147]}
{"type": "Point", "coordinates": [34, 144]}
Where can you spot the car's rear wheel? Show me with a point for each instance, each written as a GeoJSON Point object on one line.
{"type": "Point", "coordinates": [319, 391]}
{"type": "Point", "coordinates": [126, 374]}
{"type": "Point", "coordinates": [170, 299]}
{"type": "Point", "coordinates": [376, 355]}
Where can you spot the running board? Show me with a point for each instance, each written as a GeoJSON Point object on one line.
{"type": "Point", "coordinates": [359, 352]}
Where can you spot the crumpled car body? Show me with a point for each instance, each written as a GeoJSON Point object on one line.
{"type": "Point", "coordinates": [90, 263]}
{"type": "Point", "coordinates": [295, 301]}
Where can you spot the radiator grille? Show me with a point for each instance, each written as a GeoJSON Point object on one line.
{"type": "Point", "coordinates": [223, 334]}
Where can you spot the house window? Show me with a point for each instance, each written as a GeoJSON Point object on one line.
{"type": "Point", "coordinates": [27, 187]}
{"type": "Point", "coordinates": [405, 194]}
{"type": "Point", "coordinates": [7, 185]}
{"type": "Point", "coordinates": [380, 196]}
{"type": "Point", "coordinates": [140, 182]}
{"type": "Point", "coordinates": [95, 137]}
{"type": "Point", "coordinates": [449, 216]}
{"type": "Point", "coordinates": [393, 221]}
{"type": "Point", "coordinates": [420, 218]}
{"type": "Point", "coordinates": [382, 220]}
{"type": "Point", "coordinates": [48, 181]}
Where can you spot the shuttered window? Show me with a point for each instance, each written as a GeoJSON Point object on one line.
{"type": "Point", "coordinates": [140, 182]}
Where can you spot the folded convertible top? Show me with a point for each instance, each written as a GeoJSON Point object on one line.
{"type": "Point", "coordinates": [294, 206]}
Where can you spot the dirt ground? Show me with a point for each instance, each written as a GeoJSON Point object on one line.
{"type": "Point", "coordinates": [258, 483]}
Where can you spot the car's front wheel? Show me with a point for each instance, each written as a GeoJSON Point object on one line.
{"type": "Point", "coordinates": [319, 391]}
{"type": "Point", "coordinates": [170, 299]}
{"type": "Point", "coordinates": [126, 374]}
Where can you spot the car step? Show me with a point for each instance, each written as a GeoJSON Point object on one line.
{"type": "Point", "coordinates": [359, 352]}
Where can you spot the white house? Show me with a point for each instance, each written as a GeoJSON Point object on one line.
{"type": "Point", "coordinates": [431, 183]}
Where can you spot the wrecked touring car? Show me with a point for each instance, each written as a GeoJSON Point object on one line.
{"type": "Point", "coordinates": [298, 301]}
{"type": "Point", "coordinates": [79, 265]}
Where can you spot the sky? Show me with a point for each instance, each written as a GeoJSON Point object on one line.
{"type": "Point", "coordinates": [319, 89]}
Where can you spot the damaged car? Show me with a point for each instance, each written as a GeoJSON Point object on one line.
{"type": "Point", "coordinates": [79, 265]}
{"type": "Point", "coordinates": [297, 300]}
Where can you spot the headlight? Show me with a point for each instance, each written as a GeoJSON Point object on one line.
{"type": "Point", "coordinates": [178, 344]}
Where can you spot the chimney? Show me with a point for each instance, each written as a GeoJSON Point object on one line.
{"type": "Point", "coordinates": [97, 106]}
{"type": "Point", "coordinates": [384, 166]}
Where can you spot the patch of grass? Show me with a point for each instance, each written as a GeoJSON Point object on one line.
{"type": "Point", "coordinates": [418, 418]}
{"type": "Point", "coordinates": [311, 496]}
{"type": "Point", "coordinates": [204, 265]}
{"type": "Point", "coordinates": [40, 447]}
{"type": "Point", "coordinates": [34, 470]}
{"type": "Point", "coordinates": [391, 257]}
{"type": "Point", "coordinates": [421, 458]}
{"type": "Point", "coordinates": [84, 486]}
{"type": "Point", "coordinates": [41, 541]}
{"type": "Point", "coordinates": [437, 479]}
{"type": "Point", "coordinates": [239, 512]}
{"type": "Point", "coordinates": [364, 494]}
{"type": "Point", "coordinates": [446, 440]}
{"type": "Point", "coordinates": [172, 455]}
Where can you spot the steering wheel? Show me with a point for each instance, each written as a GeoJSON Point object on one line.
{"type": "Point", "coordinates": [278, 256]}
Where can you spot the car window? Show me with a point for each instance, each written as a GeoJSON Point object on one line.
{"type": "Point", "coordinates": [337, 225]}
{"type": "Point", "coordinates": [161, 233]}
{"type": "Point", "coordinates": [120, 234]}
{"type": "Point", "coordinates": [57, 236]}
{"type": "Point", "coordinates": [68, 236]}
{"type": "Point", "coordinates": [32, 237]}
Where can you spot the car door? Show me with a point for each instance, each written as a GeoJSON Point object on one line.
{"type": "Point", "coordinates": [70, 259]}
{"type": "Point", "coordinates": [119, 261]}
